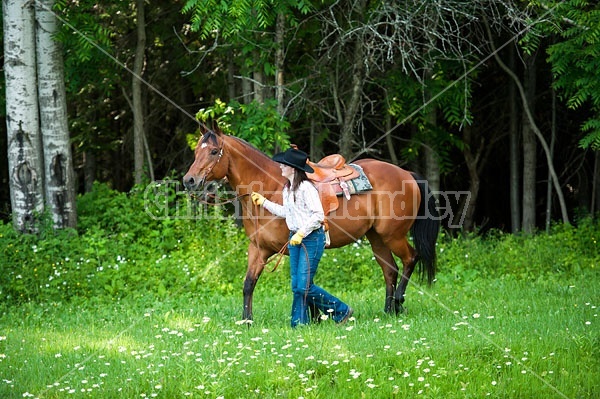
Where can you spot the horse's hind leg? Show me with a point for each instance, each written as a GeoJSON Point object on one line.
{"type": "Point", "coordinates": [386, 260]}
{"type": "Point", "coordinates": [402, 249]}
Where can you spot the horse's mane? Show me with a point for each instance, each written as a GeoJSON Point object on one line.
{"type": "Point", "coordinates": [210, 136]}
{"type": "Point", "coordinates": [254, 150]}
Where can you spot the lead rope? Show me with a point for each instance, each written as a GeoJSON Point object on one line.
{"type": "Point", "coordinates": [280, 253]}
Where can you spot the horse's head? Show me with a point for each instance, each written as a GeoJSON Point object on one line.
{"type": "Point", "coordinates": [208, 164]}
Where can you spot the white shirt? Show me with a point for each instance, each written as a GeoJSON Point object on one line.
{"type": "Point", "coordinates": [303, 215]}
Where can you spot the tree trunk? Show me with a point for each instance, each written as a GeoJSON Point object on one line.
{"type": "Point", "coordinates": [389, 140]}
{"type": "Point", "coordinates": [538, 134]}
{"type": "Point", "coordinates": [247, 90]}
{"type": "Point", "coordinates": [595, 203]}
{"type": "Point", "coordinates": [136, 86]}
{"type": "Point", "coordinates": [59, 176]}
{"type": "Point", "coordinates": [515, 202]}
{"type": "Point", "coordinates": [231, 76]}
{"type": "Point", "coordinates": [353, 104]}
{"type": "Point", "coordinates": [549, 183]}
{"type": "Point", "coordinates": [279, 66]}
{"type": "Point", "coordinates": [89, 171]}
{"type": "Point", "coordinates": [280, 63]}
{"type": "Point", "coordinates": [529, 149]}
{"type": "Point", "coordinates": [432, 165]}
{"type": "Point", "coordinates": [472, 156]}
{"type": "Point", "coordinates": [25, 158]}
{"type": "Point", "coordinates": [258, 79]}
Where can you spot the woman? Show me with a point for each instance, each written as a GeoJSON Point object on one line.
{"type": "Point", "coordinates": [304, 217]}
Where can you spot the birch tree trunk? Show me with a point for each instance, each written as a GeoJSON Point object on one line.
{"type": "Point", "coordinates": [59, 180]}
{"type": "Point", "coordinates": [136, 88]}
{"type": "Point", "coordinates": [22, 120]}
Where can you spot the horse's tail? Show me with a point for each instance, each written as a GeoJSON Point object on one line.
{"type": "Point", "coordinates": [425, 231]}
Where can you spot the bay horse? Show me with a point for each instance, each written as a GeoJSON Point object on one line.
{"type": "Point", "coordinates": [399, 202]}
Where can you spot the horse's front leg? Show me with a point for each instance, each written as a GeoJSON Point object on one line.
{"type": "Point", "coordinates": [256, 264]}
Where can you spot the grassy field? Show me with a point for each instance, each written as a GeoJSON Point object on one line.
{"type": "Point", "coordinates": [130, 306]}
{"type": "Point", "coordinates": [498, 337]}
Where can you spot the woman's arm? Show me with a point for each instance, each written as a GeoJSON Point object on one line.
{"type": "Point", "coordinates": [274, 208]}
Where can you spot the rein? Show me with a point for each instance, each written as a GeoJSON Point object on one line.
{"type": "Point", "coordinates": [198, 198]}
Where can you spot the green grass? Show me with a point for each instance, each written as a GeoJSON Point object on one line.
{"type": "Point", "coordinates": [129, 306]}
{"type": "Point", "coordinates": [499, 337]}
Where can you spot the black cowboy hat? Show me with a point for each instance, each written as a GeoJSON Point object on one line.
{"type": "Point", "coordinates": [294, 158]}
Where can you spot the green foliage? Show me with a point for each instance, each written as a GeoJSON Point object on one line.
{"type": "Point", "coordinates": [123, 251]}
{"type": "Point", "coordinates": [236, 17]}
{"type": "Point", "coordinates": [126, 249]}
{"type": "Point", "coordinates": [259, 124]}
{"type": "Point", "coordinates": [450, 97]}
{"type": "Point", "coordinates": [85, 38]}
{"type": "Point", "coordinates": [575, 58]}
{"type": "Point", "coordinates": [566, 249]}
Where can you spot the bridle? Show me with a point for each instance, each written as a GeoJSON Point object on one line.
{"type": "Point", "coordinates": [196, 197]}
{"type": "Point", "coordinates": [222, 144]}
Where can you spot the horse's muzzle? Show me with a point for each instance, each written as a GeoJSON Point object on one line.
{"type": "Point", "coordinates": [191, 183]}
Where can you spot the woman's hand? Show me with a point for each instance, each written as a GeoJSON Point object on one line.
{"type": "Point", "coordinates": [296, 239]}
{"type": "Point", "coordinates": [257, 199]}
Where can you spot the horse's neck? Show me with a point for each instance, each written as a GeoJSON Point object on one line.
{"type": "Point", "coordinates": [249, 171]}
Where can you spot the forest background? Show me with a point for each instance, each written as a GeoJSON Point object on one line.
{"type": "Point", "coordinates": [498, 98]}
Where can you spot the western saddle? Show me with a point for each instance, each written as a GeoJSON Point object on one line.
{"type": "Point", "coordinates": [330, 175]}
{"type": "Point", "coordinates": [329, 172]}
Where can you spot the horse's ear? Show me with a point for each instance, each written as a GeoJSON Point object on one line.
{"type": "Point", "coordinates": [216, 129]}
{"type": "Point", "coordinates": [202, 128]}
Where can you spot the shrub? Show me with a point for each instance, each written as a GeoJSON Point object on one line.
{"type": "Point", "coordinates": [119, 251]}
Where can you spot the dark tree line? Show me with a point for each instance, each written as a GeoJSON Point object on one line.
{"type": "Point", "coordinates": [414, 83]}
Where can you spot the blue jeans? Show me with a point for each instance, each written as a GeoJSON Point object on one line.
{"type": "Point", "coordinates": [304, 260]}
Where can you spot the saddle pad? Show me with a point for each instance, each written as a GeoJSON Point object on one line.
{"type": "Point", "coordinates": [357, 185]}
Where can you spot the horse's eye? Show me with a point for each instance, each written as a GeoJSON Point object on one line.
{"type": "Point", "coordinates": [214, 151]}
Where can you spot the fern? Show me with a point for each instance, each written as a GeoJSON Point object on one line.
{"type": "Point", "coordinates": [575, 61]}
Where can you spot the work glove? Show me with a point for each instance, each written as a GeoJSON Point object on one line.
{"type": "Point", "coordinates": [257, 199]}
{"type": "Point", "coordinates": [296, 239]}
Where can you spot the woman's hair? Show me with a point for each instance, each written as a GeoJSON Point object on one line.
{"type": "Point", "coordinates": [299, 177]}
